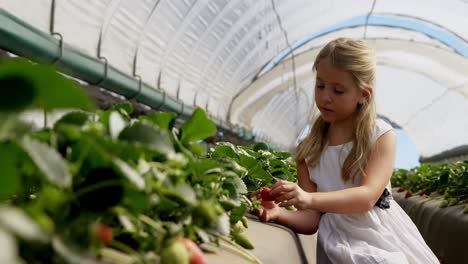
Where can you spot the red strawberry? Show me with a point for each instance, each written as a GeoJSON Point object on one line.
{"type": "Point", "coordinates": [408, 194]}
{"type": "Point", "coordinates": [196, 255]}
{"type": "Point", "coordinates": [422, 192]}
{"type": "Point", "coordinates": [104, 233]}
{"type": "Point", "coordinates": [401, 189]}
{"type": "Point", "coordinates": [266, 194]}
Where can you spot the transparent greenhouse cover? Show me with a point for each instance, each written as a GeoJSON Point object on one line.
{"type": "Point", "coordinates": [249, 61]}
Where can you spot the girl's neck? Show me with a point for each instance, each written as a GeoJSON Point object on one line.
{"type": "Point", "coordinates": [340, 132]}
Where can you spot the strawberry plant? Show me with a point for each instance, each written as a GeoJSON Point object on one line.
{"type": "Point", "coordinates": [449, 180]}
{"type": "Point", "coordinates": [103, 185]}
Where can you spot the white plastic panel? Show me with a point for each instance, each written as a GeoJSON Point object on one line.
{"type": "Point", "coordinates": [80, 23]}
{"type": "Point", "coordinates": [213, 50]}
{"type": "Point", "coordinates": [36, 13]}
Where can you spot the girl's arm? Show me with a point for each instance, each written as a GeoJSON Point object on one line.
{"type": "Point", "coordinates": [301, 221]}
{"type": "Point", "coordinates": [360, 199]}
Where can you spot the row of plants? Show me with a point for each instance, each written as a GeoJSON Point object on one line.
{"type": "Point", "coordinates": [448, 180]}
{"type": "Point", "coordinates": [99, 184]}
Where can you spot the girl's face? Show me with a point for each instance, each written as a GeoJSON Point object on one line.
{"type": "Point", "coordinates": [336, 93]}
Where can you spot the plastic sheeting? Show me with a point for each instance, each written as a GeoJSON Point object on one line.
{"type": "Point", "coordinates": [234, 57]}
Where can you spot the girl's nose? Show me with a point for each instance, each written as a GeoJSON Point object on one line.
{"type": "Point", "coordinates": [326, 97]}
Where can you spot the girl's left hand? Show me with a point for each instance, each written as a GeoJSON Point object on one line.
{"type": "Point", "coordinates": [289, 193]}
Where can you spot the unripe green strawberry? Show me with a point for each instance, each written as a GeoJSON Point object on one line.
{"type": "Point", "coordinates": [465, 210]}
{"type": "Point", "coordinates": [244, 221]}
{"type": "Point", "coordinates": [452, 202]}
{"type": "Point", "coordinates": [176, 253]}
{"type": "Point", "coordinates": [243, 240]}
{"type": "Point", "coordinates": [204, 214]}
{"type": "Point", "coordinates": [238, 227]}
{"type": "Point", "coordinates": [443, 204]}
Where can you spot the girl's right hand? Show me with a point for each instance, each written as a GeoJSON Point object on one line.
{"type": "Point", "coordinates": [269, 211]}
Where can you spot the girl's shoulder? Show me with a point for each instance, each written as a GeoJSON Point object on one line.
{"type": "Point", "coordinates": [381, 127]}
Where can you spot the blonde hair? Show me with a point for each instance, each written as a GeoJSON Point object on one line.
{"type": "Point", "coordinates": [357, 58]}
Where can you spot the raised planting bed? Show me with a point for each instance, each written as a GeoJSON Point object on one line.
{"type": "Point", "coordinates": [273, 243]}
{"type": "Point", "coordinates": [445, 230]}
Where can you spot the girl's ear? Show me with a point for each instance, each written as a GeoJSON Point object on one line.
{"type": "Point", "coordinates": [366, 94]}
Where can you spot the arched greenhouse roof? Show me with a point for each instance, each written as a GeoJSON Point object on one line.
{"type": "Point", "coordinates": [248, 62]}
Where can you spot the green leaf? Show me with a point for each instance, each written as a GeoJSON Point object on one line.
{"type": "Point", "coordinates": [49, 162]}
{"type": "Point", "coordinates": [125, 108]}
{"type": "Point", "coordinates": [72, 118]}
{"type": "Point", "coordinates": [198, 149]}
{"type": "Point", "coordinates": [223, 225]}
{"type": "Point", "coordinates": [237, 213]}
{"type": "Point", "coordinates": [225, 150]}
{"type": "Point", "coordinates": [259, 173]}
{"type": "Point", "coordinates": [116, 124]}
{"type": "Point", "coordinates": [66, 251]}
{"type": "Point", "coordinates": [152, 137]}
{"type": "Point", "coordinates": [136, 199]}
{"type": "Point", "coordinates": [131, 174]}
{"type": "Point", "coordinates": [18, 222]}
{"type": "Point", "coordinates": [12, 127]}
{"type": "Point", "coordinates": [39, 85]}
{"type": "Point", "coordinates": [9, 181]}
{"type": "Point", "coordinates": [17, 92]}
{"type": "Point", "coordinates": [238, 184]}
{"type": "Point", "coordinates": [164, 120]}
{"type": "Point", "coordinates": [204, 165]}
{"type": "Point", "coordinates": [247, 161]}
{"type": "Point", "coordinates": [260, 146]}
{"type": "Point", "coordinates": [198, 127]}
{"type": "Point", "coordinates": [283, 155]}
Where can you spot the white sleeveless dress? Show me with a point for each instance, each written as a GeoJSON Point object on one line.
{"type": "Point", "coordinates": [377, 236]}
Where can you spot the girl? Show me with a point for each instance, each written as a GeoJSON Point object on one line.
{"type": "Point", "coordinates": [344, 167]}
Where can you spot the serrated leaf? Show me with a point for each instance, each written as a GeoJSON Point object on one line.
{"type": "Point", "coordinates": [259, 173]}
{"type": "Point", "coordinates": [19, 223]}
{"type": "Point", "coordinates": [198, 127]}
{"type": "Point", "coordinates": [49, 162]}
{"type": "Point", "coordinates": [152, 137]}
{"type": "Point", "coordinates": [238, 184]}
{"type": "Point", "coordinates": [225, 150]}
{"type": "Point", "coordinates": [164, 120]}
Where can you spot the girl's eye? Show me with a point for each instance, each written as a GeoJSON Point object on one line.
{"type": "Point", "coordinates": [320, 87]}
{"type": "Point", "coordinates": [339, 92]}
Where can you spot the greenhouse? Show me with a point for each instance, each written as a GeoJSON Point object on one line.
{"type": "Point", "coordinates": [151, 131]}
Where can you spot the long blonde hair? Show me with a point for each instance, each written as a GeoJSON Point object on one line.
{"type": "Point", "coordinates": [357, 58]}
